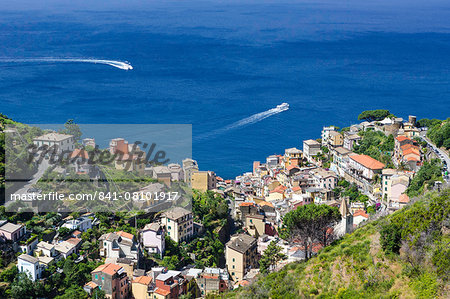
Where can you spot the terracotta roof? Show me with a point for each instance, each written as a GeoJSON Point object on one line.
{"type": "Point", "coordinates": [411, 151]}
{"type": "Point", "coordinates": [76, 233]}
{"type": "Point", "coordinates": [296, 188]}
{"type": "Point", "coordinates": [110, 269]}
{"type": "Point", "coordinates": [279, 189]}
{"type": "Point", "coordinates": [402, 138]}
{"type": "Point", "coordinates": [407, 146]}
{"type": "Point", "coordinates": [125, 235]}
{"type": "Point", "coordinates": [265, 203]}
{"type": "Point", "coordinates": [246, 204]}
{"type": "Point", "coordinates": [403, 198]}
{"type": "Point", "coordinates": [74, 241]}
{"type": "Point", "coordinates": [91, 284]}
{"type": "Point", "coordinates": [361, 213]}
{"type": "Point", "coordinates": [367, 161]}
{"type": "Point", "coordinates": [162, 292]}
{"type": "Point", "coordinates": [79, 153]}
{"type": "Point", "coordinates": [146, 280]}
{"type": "Point", "coordinates": [412, 159]}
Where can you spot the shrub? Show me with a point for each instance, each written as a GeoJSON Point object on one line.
{"type": "Point", "coordinates": [391, 238]}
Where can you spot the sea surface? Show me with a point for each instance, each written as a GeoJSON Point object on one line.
{"type": "Point", "coordinates": [215, 64]}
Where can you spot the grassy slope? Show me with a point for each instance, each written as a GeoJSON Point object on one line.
{"type": "Point", "coordinates": [356, 267]}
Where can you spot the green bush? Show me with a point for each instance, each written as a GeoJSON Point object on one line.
{"type": "Point", "coordinates": [391, 238]}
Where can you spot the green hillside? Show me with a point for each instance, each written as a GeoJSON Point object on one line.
{"type": "Point", "coordinates": [404, 255]}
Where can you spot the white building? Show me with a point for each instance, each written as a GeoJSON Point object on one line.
{"type": "Point", "coordinates": [61, 142]}
{"type": "Point", "coordinates": [66, 248]}
{"type": "Point", "coordinates": [363, 166]}
{"type": "Point", "coordinates": [310, 148]}
{"type": "Point", "coordinates": [178, 223]}
{"type": "Point", "coordinates": [82, 224]}
{"type": "Point", "coordinates": [45, 249]}
{"type": "Point", "coordinates": [326, 134]}
{"type": "Point", "coordinates": [120, 245]}
{"type": "Point", "coordinates": [30, 265]}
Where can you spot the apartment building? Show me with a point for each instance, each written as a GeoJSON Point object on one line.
{"type": "Point", "coordinates": [178, 223]}
{"type": "Point", "coordinates": [241, 254]}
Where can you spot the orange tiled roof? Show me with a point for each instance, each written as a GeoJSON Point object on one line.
{"type": "Point", "coordinates": [290, 167]}
{"type": "Point", "coordinates": [162, 292]}
{"type": "Point", "coordinates": [408, 146]}
{"type": "Point", "coordinates": [146, 280]}
{"type": "Point", "coordinates": [412, 159]}
{"type": "Point", "coordinates": [279, 189]}
{"type": "Point", "coordinates": [367, 161]}
{"type": "Point", "coordinates": [403, 198]}
{"type": "Point", "coordinates": [125, 235]}
{"type": "Point", "coordinates": [81, 153]}
{"type": "Point", "coordinates": [402, 138]}
{"type": "Point", "coordinates": [76, 233]}
{"type": "Point", "coordinates": [246, 204]}
{"type": "Point", "coordinates": [91, 284]}
{"type": "Point", "coordinates": [74, 241]}
{"type": "Point", "coordinates": [266, 203]}
{"type": "Point", "coordinates": [361, 213]}
{"type": "Point", "coordinates": [110, 269]}
{"type": "Point", "coordinates": [296, 188]}
{"type": "Point", "coordinates": [411, 151]}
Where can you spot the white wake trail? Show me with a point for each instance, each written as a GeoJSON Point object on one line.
{"type": "Point", "coordinates": [244, 122]}
{"type": "Point", "coordinates": [114, 63]}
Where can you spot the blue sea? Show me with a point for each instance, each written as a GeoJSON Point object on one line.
{"type": "Point", "coordinates": [213, 64]}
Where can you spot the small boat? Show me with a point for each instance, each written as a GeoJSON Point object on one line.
{"type": "Point", "coordinates": [283, 106]}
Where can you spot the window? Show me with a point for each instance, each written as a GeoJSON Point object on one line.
{"type": "Point", "coordinates": [385, 188]}
{"type": "Point", "coordinates": [233, 266]}
{"type": "Point", "coordinates": [233, 259]}
{"type": "Point", "coordinates": [96, 276]}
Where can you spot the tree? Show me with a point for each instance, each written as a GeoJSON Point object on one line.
{"type": "Point", "coordinates": [309, 223]}
{"type": "Point", "coordinates": [71, 128]}
{"type": "Point", "coordinates": [23, 287]}
{"type": "Point", "coordinates": [63, 232]}
{"type": "Point", "coordinates": [271, 256]}
{"type": "Point", "coordinates": [371, 115]}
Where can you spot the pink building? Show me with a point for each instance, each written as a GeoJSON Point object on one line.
{"type": "Point", "coordinates": [153, 238]}
{"type": "Point", "coordinates": [12, 232]}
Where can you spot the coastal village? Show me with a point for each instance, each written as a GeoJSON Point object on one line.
{"type": "Point", "coordinates": [159, 254]}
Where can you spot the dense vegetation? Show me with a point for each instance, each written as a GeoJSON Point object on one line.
{"type": "Point", "coordinates": [425, 177]}
{"type": "Point", "coordinates": [439, 132]}
{"type": "Point", "coordinates": [376, 145]}
{"type": "Point", "coordinates": [409, 258]}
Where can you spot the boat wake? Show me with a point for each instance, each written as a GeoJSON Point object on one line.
{"type": "Point", "coordinates": [114, 63]}
{"type": "Point", "coordinates": [246, 121]}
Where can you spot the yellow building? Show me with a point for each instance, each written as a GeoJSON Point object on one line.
{"type": "Point", "coordinates": [241, 255]}
{"type": "Point", "coordinates": [255, 225]}
{"type": "Point", "coordinates": [292, 157]}
{"type": "Point", "coordinates": [140, 287]}
{"type": "Point", "coordinates": [203, 180]}
{"type": "Point", "coordinates": [336, 139]}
